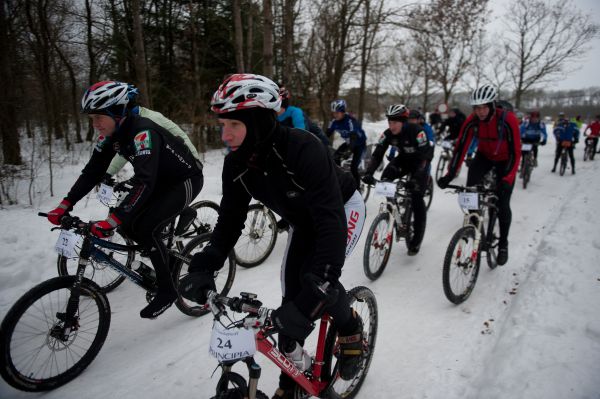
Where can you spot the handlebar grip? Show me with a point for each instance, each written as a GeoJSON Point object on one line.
{"type": "Point", "coordinates": [42, 214]}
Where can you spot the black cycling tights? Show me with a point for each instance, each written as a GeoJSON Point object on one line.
{"type": "Point", "coordinates": [147, 225]}
{"type": "Point", "coordinates": [478, 169]}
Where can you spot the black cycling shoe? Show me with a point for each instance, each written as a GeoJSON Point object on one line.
{"type": "Point", "coordinates": [161, 302]}
{"type": "Point", "coordinates": [502, 254]}
{"type": "Point", "coordinates": [282, 226]}
{"type": "Point", "coordinates": [413, 250]}
{"type": "Point", "coordinates": [351, 351]}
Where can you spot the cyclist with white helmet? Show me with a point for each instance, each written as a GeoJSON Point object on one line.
{"type": "Point", "coordinates": [353, 134]}
{"type": "Point", "coordinates": [499, 148]}
{"type": "Point", "coordinates": [415, 152]}
{"type": "Point", "coordinates": [167, 177]}
{"type": "Point", "coordinates": [293, 174]}
{"type": "Point", "coordinates": [135, 109]}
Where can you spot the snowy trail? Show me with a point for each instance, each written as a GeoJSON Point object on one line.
{"type": "Point", "coordinates": [543, 342]}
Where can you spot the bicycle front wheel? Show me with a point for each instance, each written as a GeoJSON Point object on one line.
{"type": "Point", "coordinates": [363, 301]}
{"type": "Point", "coordinates": [101, 273]}
{"type": "Point", "coordinates": [258, 237]}
{"type": "Point", "coordinates": [428, 196]}
{"type": "Point", "coordinates": [461, 265]}
{"type": "Point", "coordinates": [526, 173]}
{"type": "Point", "coordinates": [563, 164]}
{"type": "Point", "coordinates": [38, 352]}
{"type": "Point", "coordinates": [441, 167]}
{"type": "Point", "coordinates": [378, 246]}
{"type": "Point", "coordinates": [223, 278]}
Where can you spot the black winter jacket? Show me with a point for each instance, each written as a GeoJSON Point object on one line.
{"type": "Point", "coordinates": [159, 159]}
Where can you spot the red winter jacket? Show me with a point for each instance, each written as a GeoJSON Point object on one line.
{"type": "Point", "coordinates": [495, 148]}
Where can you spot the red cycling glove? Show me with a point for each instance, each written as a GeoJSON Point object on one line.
{"type": "Point", "coordinates": [56, 214]}
{"type": "Point", "coordinates": [104, 228]}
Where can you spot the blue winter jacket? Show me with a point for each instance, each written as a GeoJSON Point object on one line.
{"type": "Point", "coordinates": [295, 114]}
{"type": "Point", "coordinates": [534, 132]}
{"type": "Point", "coordinates": [347, 128]}
{"type": "Point", "coordinates": [569, 132]}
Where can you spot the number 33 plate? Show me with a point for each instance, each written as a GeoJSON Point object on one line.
{"type": "Point", "coordinates": [231, 344]}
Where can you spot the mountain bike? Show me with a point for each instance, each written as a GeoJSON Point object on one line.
{"type": "Point", "coordinates": [527, 163]}
{"type": "Point", "coordinates": [258, 237]}
{"type": "Point", "coordinates": [588, 151]}
{"type": "Point", "coordinates": [445, 157]}
{"type": "Point", "coordinates": [56, 329]}
{"type": "Point", "coordinates": [197, 219]}
{"type": "Point", "coordinates": [395, 215]}
{"type": "Point", "coordinates": [235, 341]}
{"type": "Point", "coordinates": [479, 233]}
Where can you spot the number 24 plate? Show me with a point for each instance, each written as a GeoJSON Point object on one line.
{"type": "Point", "coordinates": [231, 344]}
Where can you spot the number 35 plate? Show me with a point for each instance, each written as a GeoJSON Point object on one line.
{"type": "Point", "coordinates": [231, 344]}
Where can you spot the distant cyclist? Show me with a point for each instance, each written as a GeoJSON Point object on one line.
{"type": "Point", "coordinates": [533, 132]}
{"type": "Point", "coordinates": [353, 134]}
{"type": "Point", "coordinates": [594, 129]}
{"type": "Point", "coordinates": [566, 134]}
{"type": "Point", "coordinates": [454, 122]}
{"type": "Point", "coordinates": [292, 116]}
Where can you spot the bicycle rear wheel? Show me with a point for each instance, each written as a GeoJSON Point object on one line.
{"type": "Point", "coordinates": [223, 278]}
{"type": "Point", "coordinates": [441, 167]}
{"type": "Point", "coordinates": [38, 353]}
{"type": "Point", "coordinates": [207, 213]}
{"type": "Point", "coordinates": [378, 246]}
{"type": "Point", "coordinates": [526, 173]}
{"type": "Point", "coordinates": [258, 237]}
{"type": "Point", "coordinates": [428, 196]}
{"type": "Point", "coordinates": [101, 273]}
{"type": "Point", "coordinates": [363, 301]}
{"type": "Point", "coordinates": [563, 163]}
{"type": "Point", "coordinates": [461, 265]}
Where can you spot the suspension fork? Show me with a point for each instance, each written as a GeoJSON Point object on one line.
{"type": "Point", "coordinates": [69, 318]}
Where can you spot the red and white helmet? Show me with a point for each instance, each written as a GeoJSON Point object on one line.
{"type": "Point", "coordinates": [108, 97]}
{"type": "Point", "coordinates": [244, 91]}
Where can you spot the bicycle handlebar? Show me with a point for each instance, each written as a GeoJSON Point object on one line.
{"type": "Point", "coordinates": [246, 303]}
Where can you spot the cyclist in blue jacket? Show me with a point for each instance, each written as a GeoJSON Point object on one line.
{"type": "Point", "coordinates": [533, 132]}
{"type": "Point", "coordinates": [351, 131]}
{"type": "Point", "coordinates": [291, 116]}
{"type": "Point", "coordinates": [567, 135]}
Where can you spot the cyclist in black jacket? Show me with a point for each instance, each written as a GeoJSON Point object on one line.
{"type": "Point", "coordinates": [293, 174]}
{"type": "Point", "coordinates": [167, 177]}
{"type": "Point", "coordinates": [414, 157]}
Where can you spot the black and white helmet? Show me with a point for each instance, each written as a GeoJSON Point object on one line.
{"type": "Point", "coordinates": [109, 97]}
{"type": "Point", "coordinates": [397, 112]}
{"type": "Point", "coordinates": [484, 95]}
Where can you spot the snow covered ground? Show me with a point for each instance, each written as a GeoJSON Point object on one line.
{"type": "Point", "coordinates": [531, 329]}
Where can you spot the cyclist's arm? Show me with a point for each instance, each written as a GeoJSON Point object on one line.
{"type": "Point", "coordinates": [232, 212]}
{"type": "Point", "coordinates": [93, 171]}
{"type": "Point", "coordinates": [330, 130]}
{"type": "Point", "coordinates": [473, 147]}
{"type": "Point", "coordinates": [298, 118]}
{"type": "Point", "coordinates": [117, 163]}
{"type": "Point", "coordinates": [378, 154]}
{"type": "Point", "coordinates": [544, 132]}
{"type": "Point", "coordinates": [171, 126]}
{"type": "Point", "coordinates": [465, 136]}
{"type": "Point", "coordinates": [514, 147]}
{"type": "Point", "coordinates": [145, 167]}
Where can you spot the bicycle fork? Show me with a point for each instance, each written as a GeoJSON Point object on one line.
{"type": "Point", "coordinates": [477, 224]}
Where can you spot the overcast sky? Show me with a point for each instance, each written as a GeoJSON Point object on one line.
{"type": "Point", "coordinates": [588, 73]}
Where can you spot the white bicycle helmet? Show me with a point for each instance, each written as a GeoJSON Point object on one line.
{"type": "Point", "coordinates": [397, 112]}
{"type": "Point", "coordinates": [108, 97]}
{"type": "Point", "coordinates": [338, 106]}
{"type": "Point", "coordinates": [484, 95]}
{"type": "Point", "coordinates": [244, 91]}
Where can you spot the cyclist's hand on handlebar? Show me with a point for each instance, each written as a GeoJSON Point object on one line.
{"type": "Point", "coordinates": [108, 180]}
{"type": "Point", "coordinates": [104, 228]}
{"type": "Point", "coordinates": [208, 260]}
{"type": "Point", "coordinates": [55, 215]}
{"type": "Point", "coordinates": [444, 181]}
{"type": "Point", "coordinates": [196, 285]}
{"type": "Point", "coordinates": [289, 321]}
{"type": "Point", "coordinates": [368, 179]}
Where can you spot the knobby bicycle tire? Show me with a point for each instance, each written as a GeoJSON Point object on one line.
{"type": "Point", "coordinates": [526, 173]}
{"type": "Point", "coordinates": [465, 272]}
{"type": "Point", "coordinates": [491, 237]}
{"type": "Point", "coordinates": [441, 166]}
{"type": "Point", "coordinates": [428, 197]}
{"type": "Point", "coordinates": [223, 281]}
{"type": "Point", "coordinates": [363, 301]}
{"type": "Point", "coordinates": [563, 164]}
{"type": "Point", "coordinates": [103, 275]}
{"type": "Point", "coordinates": [251, 248]}
{"type": "Point", "coordinates": [374, 270]}
{"type": "Point", "coordinates": [12, 330]}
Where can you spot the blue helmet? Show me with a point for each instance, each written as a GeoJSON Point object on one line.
{"type": "Point", "coordinates": [338, 106]}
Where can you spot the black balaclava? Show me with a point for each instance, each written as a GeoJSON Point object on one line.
{"type": "Point", "coordinates": [492, 107]}
{"type": "Point", "coordinates": [260, 125]}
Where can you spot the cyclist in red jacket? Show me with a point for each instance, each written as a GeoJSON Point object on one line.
{"type": "Point", "coordinates": [499, 148]}
{"type": "Point", "coordinates": [594, 129]}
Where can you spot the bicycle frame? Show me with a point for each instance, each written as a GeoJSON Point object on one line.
{"type": "Point", "coordinates": [393, 206]}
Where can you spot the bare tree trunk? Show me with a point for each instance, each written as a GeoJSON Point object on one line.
{"type": "Point", "coordinates": [239, 36]}
{"type": "Point", "coordinates": [250, 38]}
{"type": "Point", "coordinates": [74, 96]}
{"type": "Point", "coordinates": [288, 38]}
{"type": "Point", "coordinates": [11, 150]}
{"type": "Point", "coordinates": [91, 57]}
{"type": "Point", "coordinates": [140, 53]}
{"type": "Point", "coordinates": [267, 38]}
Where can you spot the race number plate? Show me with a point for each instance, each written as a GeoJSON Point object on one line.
{"type": "Point", "coordinates": [526, 147]}
{"type": "Point", "coordinates": [468, 201]}
{"type": "Point", "coordinates": [232, 344]}
{"type": "Point", "coordinates": [105, 193]}
{"type": "Point", "coordinates": [67, 244]}
{"type": "Point", "coordinates": [386, 189]}
{"type": "Point", "coordinates": [447, 145]}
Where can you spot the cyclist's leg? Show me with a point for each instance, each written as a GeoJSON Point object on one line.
{"type": "Point", "coordinates": [504, 211]}
{"type": "Point", "coordinates": [356, 214]}
{"type": "Point", "coordinates": [557, 154]}
{"type": "Point", "coordinates": [572, 156]}
{"type": "Point", "coordinates": [418, 205]}
{"type": "Point", "coordinates": [338, 154]}
{"type": "Point", "coordinates": [148, 227]}
{"type": "Point", "coordinates": [479, 168]}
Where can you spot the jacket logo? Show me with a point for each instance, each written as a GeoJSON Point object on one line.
{"type": "Point", "coordinates": [142, 142]}
{"type": "Point", "coordinates": [292, 194]}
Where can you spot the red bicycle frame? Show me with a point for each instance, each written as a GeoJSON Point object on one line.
{"type": "Point", "coordinates": [313, 386]}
